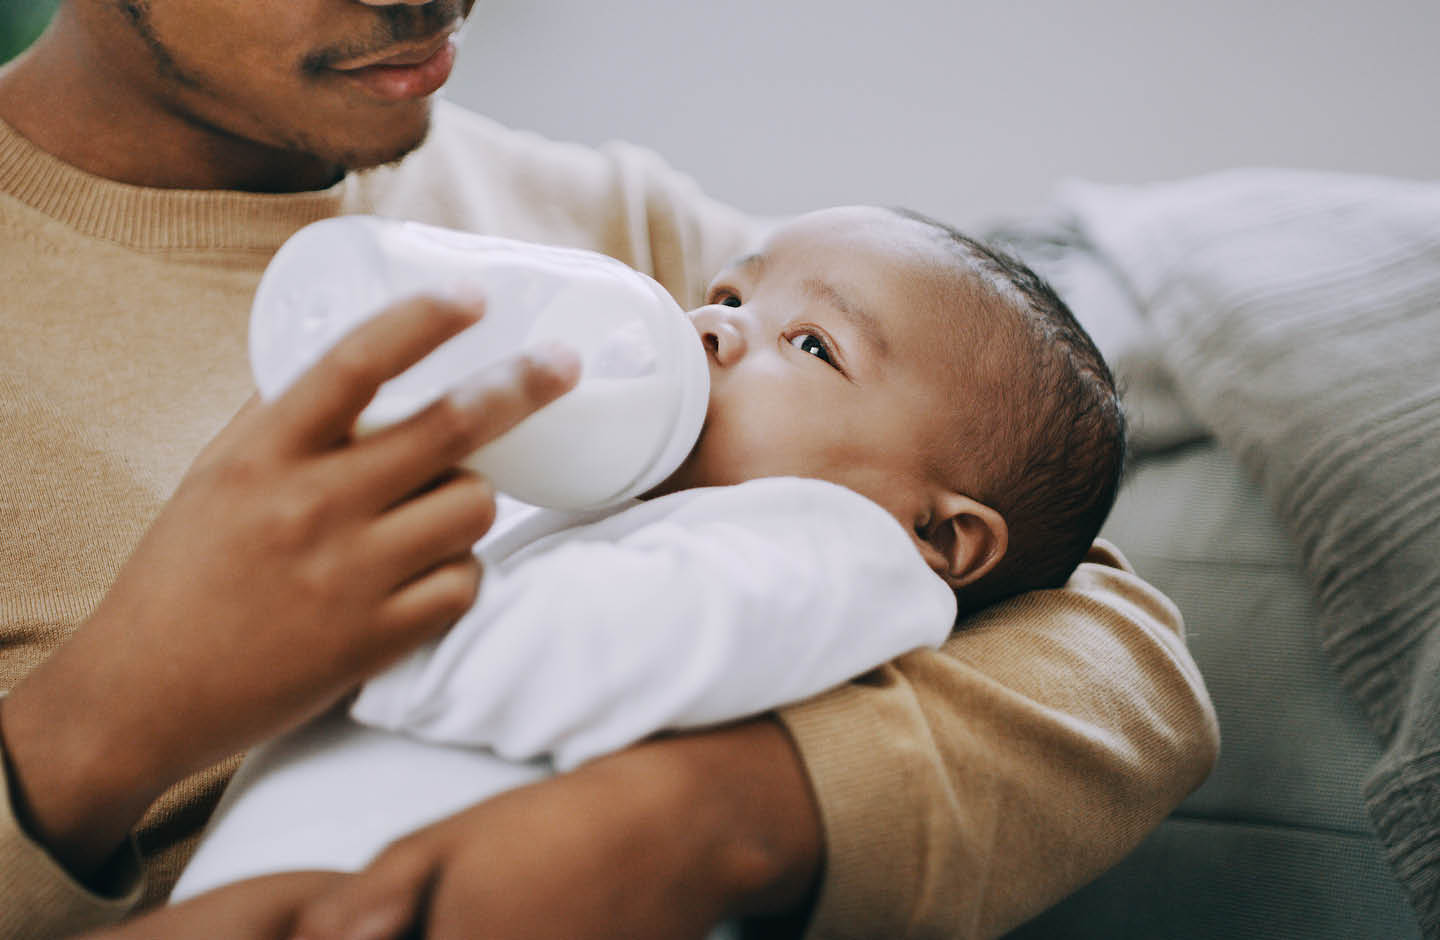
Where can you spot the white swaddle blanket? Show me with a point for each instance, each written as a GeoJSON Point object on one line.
{"type": "Point", "coordinates": [590, 633]}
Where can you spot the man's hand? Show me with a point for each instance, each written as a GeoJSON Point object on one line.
{"type": "Point", "coordinates": [661, 841]}
{"type": "Point", "coordinates": [291, 563]}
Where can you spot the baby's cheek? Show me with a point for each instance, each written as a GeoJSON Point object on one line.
{"type": "Point", "coordinates": [734, 455]}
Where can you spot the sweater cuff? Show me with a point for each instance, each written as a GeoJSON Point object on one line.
{"type": "Point", "coordinates": [40, 898]}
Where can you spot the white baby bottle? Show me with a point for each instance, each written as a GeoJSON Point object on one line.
{"type": "Point", "coordinates": [644, 383]}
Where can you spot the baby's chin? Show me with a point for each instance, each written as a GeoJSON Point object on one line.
{"type": "Point", "coordinates": [694, 472]}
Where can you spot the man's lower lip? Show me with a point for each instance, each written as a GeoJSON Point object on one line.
{"type": "Point", "coordinates": [403, 82]}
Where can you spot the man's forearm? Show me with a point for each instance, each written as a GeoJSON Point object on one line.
{"type": "Point", "coordinates": [661, 841]}
{"type": "Point", "coordinates": [745, 804]}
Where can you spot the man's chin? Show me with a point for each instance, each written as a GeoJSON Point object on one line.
{"type": "Point", "coordinates": [375, 153]}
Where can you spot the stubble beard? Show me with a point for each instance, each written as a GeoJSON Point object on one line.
{"type": "Point", "coordinates": [393, 25]}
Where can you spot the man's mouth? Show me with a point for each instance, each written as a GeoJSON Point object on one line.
{"type": "Point", "coordinates": [412, 70]}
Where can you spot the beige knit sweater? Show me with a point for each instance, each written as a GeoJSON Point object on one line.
{"type": "Point", "coordinates": [961, 791]}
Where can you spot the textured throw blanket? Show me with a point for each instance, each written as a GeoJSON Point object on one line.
{"type": "Point", "coordinates": [1299, 317]}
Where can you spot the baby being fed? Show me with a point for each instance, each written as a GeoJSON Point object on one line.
{"type": "Point", "coordinates": [904, 426]}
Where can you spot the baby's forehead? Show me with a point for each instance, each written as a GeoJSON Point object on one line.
{"type": "Point", "coordinates": [881, 247]}
{"type": "Point", "coordinates": [861, 247]}
{"type": "Point", "coordinates": [851, 229]}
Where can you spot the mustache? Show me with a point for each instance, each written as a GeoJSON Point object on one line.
{"type": "Point", "coordinates": [393, 25]}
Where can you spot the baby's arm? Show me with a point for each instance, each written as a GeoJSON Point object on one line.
{"type": "Point", "coordinates": [726, 602]}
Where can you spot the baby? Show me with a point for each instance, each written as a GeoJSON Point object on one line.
{"type": "Point", "coordinates": [904, 426]}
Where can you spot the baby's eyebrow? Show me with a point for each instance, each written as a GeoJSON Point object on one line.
{"type": "Point", "coordinates": [754, 260]}
{"type": "Point", "coordinates": [865, 323]}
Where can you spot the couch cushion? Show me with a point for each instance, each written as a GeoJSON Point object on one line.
{"type": "Point", "coordinates": [1300, 317]}
{"type": "Point", "coordinates": [1276, 843]}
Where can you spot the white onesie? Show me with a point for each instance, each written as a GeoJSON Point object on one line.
{"type": "Point", "coordinates": [590, 632]}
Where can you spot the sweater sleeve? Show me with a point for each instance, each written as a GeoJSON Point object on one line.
{"type": "Point", "coordinates": [42, 899]}
{"type": "Point", "coordinates": [964, 790]}
{"type": "Point", "coordinates": [686, 611]}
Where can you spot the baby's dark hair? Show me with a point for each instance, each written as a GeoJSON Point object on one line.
{"type": "Point", "coordinates": [1061, 454]}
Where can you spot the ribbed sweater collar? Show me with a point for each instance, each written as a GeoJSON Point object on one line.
{"type": "Point", "coordinates": [163, 220]}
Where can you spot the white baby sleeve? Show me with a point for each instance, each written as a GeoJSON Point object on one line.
{"type": "Point", "coordinates": [717, 604]}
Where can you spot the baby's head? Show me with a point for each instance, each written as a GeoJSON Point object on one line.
{"type": "Point", "coordinates": [886, 352]}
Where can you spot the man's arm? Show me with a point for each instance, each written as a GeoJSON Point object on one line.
{"type": "Point", "coordinates": [290, 563]}
{"type": "Point", "coordinates": [964, 791]}
{"type": "Point", "coordinates": [662, 841]}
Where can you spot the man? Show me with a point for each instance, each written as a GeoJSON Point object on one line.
{"type": "Point", "coordinates": [156, 620]}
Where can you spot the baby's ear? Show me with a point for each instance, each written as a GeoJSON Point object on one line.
{"type": "Point", "coordinates": [964, 539]}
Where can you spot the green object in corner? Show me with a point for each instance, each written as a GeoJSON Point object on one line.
{"type": "Point", "coordinates": [20, 22]}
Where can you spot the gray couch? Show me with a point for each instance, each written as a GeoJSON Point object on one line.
{"type": "Point", "coordinates": [1279, 334]}
{"type": "Point", "coordinates": [1276, 844]}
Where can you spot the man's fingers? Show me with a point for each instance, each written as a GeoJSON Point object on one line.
{"type": "Point", "coordinates": [431, 602]}
{"type": "Point", "coordinates": [401, 459]}
{"type": "Point", "coordinates": [386, 901]}
{"type": "Point", "coordinates": [322, 405]}
{"type": "Point", "coordinates": [443, 522]}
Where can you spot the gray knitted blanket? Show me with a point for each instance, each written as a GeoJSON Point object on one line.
{"type": "Point", "coordinates": [1299, 315]}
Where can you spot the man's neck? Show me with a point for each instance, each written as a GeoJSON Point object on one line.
{"type": "Point", "coordinates": [54, 99]}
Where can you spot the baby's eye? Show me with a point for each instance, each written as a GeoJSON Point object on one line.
{"type": "Point", "coordinates": [814, 344]}
{"type": "Point", "coordinates": [723, 296]}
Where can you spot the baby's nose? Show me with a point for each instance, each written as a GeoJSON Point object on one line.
{"type": "Point", "coordinates": [720, 329]}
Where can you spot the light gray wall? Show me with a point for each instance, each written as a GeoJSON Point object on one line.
{"type": "Point", "coordinates": [962, 109]}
